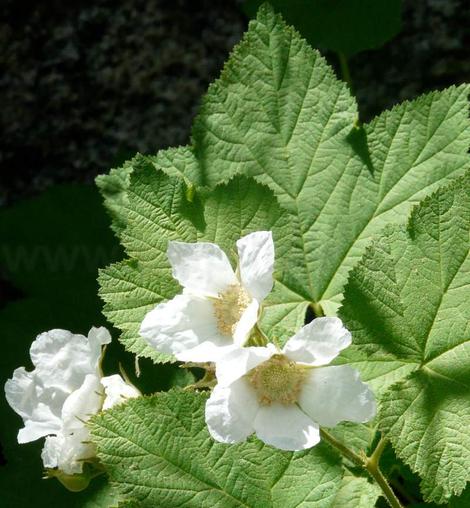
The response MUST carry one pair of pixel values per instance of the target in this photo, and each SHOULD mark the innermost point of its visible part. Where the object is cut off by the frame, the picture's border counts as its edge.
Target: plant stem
(343, 62)
(378, 476)
(344, 450)
(370, 464)
(317, 309)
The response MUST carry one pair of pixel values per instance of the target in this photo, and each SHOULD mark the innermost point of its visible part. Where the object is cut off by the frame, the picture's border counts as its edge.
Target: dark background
(83, 87)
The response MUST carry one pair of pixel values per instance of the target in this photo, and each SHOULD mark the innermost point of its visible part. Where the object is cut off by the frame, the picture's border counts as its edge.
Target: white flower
(62, 392)
(285, 396)
(218, 307)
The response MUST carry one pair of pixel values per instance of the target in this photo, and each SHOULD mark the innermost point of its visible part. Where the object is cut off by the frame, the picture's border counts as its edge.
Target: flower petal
(238, 361)
(202, 268)
(318, 342)
(82, 403)
(51, 451)
(205, 352)
(38, 406)
(97, 338)
(67, 451)
(117, 391)
(230, 412)
(256, 261)
(334, 394)
(63, 359)
(181, 324)
(286, 427)
(247, 322)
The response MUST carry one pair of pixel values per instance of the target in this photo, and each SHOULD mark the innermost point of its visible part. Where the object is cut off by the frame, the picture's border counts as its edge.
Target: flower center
(229, 307)
(277, 380)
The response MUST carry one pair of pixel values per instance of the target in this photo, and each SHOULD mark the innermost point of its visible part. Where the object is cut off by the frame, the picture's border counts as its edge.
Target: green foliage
(279, 114)
(407, 303)
(277, 145)
(346, 26)
(158, 452)
(158, 210)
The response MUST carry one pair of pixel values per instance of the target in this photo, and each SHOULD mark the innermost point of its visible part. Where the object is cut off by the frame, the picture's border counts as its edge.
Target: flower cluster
(282, 395)
(63, 391)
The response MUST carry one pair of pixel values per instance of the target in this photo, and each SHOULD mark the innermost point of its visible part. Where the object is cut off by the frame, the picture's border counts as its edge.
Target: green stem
(388, 493)
(344, 450)
(370, 464)
(343, 62)
(317, 309)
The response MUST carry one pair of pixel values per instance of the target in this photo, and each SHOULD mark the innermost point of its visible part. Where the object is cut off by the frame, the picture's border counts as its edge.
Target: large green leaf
(347, 26)
(158, 452)
(159, 208)
(279, 114)
(407, 303)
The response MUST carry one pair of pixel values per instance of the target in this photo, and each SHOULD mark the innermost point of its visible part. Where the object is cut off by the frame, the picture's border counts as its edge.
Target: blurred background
(85, 85)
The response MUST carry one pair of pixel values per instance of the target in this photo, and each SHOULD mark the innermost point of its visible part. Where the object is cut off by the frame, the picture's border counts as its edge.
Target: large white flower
(285, 396)
(62, 392)
(218, 307)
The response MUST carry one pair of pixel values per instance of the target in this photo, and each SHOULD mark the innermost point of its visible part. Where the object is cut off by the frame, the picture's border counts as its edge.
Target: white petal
(97, 338)
(51, 452)
(256, 261)
(230, 412)
(334, 394)
(247, 322)
(181, 324)
(286, 427)
(63, 359)
(83, 403)
(238, 361)
(117, 391)
(203, 268)
(38, 406)
(67, 451)
(318, 342)
(205, 352)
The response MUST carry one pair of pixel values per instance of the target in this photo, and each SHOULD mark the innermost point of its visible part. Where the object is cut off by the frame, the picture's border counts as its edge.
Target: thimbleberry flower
(218, 307)
(65, 388)
(284, 396)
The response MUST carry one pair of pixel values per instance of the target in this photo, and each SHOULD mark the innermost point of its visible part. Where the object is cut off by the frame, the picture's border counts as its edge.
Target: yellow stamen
(229, 307)
(277, 380)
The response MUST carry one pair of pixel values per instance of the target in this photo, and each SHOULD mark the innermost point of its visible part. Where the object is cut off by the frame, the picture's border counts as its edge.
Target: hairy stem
(370, 464)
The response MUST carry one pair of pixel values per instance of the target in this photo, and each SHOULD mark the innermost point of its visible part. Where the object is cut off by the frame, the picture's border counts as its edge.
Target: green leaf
(158, 210)
(356, 492)
(278, 113)
(346, 26)
(407, 303)
(113, 188)
(158, 452)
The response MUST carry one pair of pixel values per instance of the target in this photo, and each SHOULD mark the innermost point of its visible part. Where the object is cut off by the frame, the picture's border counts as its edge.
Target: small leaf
(146, 444)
